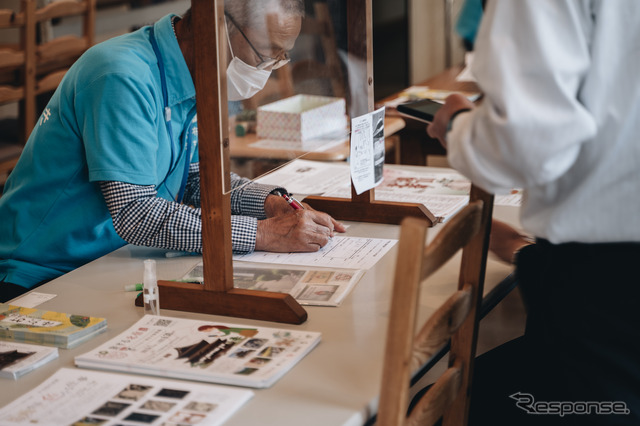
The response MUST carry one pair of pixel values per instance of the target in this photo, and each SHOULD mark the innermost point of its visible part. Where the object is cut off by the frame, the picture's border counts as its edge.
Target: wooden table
(415, 144)
(336, 384)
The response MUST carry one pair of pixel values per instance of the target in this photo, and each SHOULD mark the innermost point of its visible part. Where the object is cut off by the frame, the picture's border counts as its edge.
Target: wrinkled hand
(296, 231)
(438, 128)
(276, 206)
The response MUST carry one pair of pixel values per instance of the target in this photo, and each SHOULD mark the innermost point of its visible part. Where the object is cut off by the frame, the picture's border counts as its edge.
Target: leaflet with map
(208, 351)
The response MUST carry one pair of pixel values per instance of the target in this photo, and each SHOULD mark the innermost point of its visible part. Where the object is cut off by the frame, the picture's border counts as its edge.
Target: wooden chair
(30, 68)
(54, 57)
(17, 62)
(456, 319)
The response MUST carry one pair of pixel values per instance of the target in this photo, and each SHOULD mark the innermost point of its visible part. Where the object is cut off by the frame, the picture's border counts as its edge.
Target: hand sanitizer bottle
(150, 289)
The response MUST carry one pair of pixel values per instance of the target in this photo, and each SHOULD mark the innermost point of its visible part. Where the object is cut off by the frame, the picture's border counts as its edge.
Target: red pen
(295, 204)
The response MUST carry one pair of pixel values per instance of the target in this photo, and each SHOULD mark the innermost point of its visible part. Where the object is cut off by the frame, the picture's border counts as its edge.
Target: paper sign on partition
(367, 150)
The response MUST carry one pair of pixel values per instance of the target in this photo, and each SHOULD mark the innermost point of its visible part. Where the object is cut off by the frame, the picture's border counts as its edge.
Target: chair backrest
(456, 319)
(55, 56)
(32, 67)
(17, 62)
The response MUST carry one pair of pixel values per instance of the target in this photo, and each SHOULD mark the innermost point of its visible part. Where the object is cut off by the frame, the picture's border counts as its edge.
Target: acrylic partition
(293, 81)
(327, 80)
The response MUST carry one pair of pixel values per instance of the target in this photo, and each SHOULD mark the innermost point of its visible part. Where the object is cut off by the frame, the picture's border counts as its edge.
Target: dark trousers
(582, 341)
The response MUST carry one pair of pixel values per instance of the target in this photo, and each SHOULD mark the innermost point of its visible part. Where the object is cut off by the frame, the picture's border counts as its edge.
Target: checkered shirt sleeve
(140, 217)
(192, 189)
(247, 197)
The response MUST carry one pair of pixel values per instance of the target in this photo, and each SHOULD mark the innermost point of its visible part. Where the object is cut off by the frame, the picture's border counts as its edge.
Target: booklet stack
(17, 359)
(200, 350)
(47, 327)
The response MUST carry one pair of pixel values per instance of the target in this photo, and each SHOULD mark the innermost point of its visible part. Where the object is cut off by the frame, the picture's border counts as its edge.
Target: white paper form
(340, 252)
(512, 199)
(367, 150)
(309, 177)
(33, 299)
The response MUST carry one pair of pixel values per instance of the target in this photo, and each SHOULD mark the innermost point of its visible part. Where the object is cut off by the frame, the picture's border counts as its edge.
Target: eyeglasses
(266, 62)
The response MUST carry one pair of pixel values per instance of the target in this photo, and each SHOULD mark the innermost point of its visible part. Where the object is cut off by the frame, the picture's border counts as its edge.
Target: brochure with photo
(309, 286)
(83, 397)
(207, 351)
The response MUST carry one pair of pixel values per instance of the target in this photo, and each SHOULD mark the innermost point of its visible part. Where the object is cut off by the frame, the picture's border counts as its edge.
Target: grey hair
(251, 13)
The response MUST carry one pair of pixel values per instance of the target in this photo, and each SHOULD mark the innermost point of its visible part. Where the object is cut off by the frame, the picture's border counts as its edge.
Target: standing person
(113, 158)
(560, 118)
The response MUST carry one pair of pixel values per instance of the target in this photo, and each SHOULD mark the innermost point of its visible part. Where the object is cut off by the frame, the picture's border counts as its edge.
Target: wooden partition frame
(364, 207)
(217, 295)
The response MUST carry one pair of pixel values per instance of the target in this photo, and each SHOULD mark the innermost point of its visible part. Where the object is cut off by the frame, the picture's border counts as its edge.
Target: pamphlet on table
(443, 192)
(83, 397)
(50, 328)
(309, 286)
(208, 351)
(17, 359)
(309, 177)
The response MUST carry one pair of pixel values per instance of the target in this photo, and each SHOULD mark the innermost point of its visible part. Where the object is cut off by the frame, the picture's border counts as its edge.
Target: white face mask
(243, 80)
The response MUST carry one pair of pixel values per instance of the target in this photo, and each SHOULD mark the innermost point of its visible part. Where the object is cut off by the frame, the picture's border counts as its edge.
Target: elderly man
(113, 158)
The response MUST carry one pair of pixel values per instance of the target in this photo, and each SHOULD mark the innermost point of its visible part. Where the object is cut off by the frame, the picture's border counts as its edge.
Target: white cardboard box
(301, 118)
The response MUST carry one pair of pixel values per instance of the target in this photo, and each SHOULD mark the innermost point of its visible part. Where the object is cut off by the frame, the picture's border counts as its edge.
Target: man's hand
(276, 206)
(453, 104)
(296, 231)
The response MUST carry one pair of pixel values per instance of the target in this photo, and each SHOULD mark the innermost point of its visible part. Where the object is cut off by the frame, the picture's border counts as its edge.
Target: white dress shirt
(560, 116)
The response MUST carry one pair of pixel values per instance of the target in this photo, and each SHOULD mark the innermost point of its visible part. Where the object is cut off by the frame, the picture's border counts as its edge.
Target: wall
(427, 40)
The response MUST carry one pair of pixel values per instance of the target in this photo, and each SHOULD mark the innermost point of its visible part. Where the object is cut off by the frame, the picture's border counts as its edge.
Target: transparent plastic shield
(292, 83)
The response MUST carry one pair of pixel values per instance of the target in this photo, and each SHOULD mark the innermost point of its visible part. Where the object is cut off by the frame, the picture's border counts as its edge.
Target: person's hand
(506, 241)
(337, 226)
(296, 231)
(276, 206)
(438, 128)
